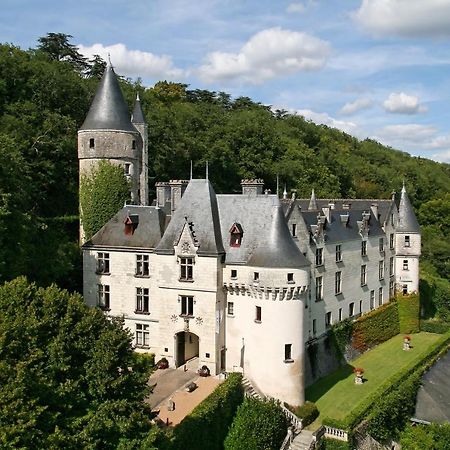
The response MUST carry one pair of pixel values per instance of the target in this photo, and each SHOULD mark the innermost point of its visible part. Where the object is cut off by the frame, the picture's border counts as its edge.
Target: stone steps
(302, 441)
(249, 390)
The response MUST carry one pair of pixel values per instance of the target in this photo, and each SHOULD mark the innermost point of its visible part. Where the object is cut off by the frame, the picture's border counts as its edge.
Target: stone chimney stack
(252, 187)
(162, 193)
(374, 208)
(177, 188)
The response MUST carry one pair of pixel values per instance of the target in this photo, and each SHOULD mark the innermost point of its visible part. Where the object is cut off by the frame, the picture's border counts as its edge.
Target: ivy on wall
(102, 194)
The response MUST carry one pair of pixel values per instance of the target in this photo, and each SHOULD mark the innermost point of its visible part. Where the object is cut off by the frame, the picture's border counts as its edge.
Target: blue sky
(374, 68)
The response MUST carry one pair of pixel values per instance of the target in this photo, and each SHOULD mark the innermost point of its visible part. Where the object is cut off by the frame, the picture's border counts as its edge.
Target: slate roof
(337, 231)
(146, 235)
(433, 397)
(266, 241)
(199, 207)
(138, 114)
(407, 221)
(109, 110)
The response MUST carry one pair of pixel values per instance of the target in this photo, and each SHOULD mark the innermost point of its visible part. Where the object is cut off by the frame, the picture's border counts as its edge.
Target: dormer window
(131, 223)
(91, 143)
(236, 233)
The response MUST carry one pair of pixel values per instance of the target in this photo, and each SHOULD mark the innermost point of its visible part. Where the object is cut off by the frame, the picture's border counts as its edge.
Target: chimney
(162, 193)
(177, 188)
(331, 204)
(327, 212)
(252, 187)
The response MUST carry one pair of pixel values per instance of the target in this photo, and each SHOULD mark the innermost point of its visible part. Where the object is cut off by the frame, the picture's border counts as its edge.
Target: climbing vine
(102, 194)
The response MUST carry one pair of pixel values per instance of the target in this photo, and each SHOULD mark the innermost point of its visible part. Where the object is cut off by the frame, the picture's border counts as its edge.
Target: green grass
(336, 395)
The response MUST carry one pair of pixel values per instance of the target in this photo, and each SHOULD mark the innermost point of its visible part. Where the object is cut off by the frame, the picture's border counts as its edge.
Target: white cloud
(134, 63)
(411, 132)
(405, 17)
(268, 54)
(402, 103)
(357, 105)
(443, 156)
(295, 8)
(326, 119)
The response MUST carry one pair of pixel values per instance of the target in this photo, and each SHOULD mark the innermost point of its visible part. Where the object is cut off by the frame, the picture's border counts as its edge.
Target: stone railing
(336, 433)
(295, 421)
(258, 290)
(287, 440)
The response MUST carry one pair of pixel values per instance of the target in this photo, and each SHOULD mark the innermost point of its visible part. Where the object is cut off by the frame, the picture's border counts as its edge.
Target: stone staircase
(249, 389)
(302, 441)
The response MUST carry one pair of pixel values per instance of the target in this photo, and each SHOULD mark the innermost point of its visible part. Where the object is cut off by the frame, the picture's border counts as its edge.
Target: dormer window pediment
(131, 222)
(236, 233)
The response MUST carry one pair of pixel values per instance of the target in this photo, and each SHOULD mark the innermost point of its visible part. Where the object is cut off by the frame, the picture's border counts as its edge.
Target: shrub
(207, 426)
(434, 326)
(258, 425)
(431, 437)
(308, 412)
(408, 312)
(145, 362)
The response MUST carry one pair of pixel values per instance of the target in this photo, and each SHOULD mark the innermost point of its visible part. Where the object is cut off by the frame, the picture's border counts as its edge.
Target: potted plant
(162, 363)
(204, 371)
(358, 375)
(406, 343)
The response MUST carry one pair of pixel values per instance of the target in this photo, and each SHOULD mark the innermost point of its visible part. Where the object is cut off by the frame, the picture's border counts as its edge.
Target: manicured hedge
(434, 326)
(376, 327)
(308, 412)
(408, 312)
(207, 426)
(333, 444)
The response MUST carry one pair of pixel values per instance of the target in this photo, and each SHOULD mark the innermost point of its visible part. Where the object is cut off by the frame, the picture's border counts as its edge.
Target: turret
(407, 246)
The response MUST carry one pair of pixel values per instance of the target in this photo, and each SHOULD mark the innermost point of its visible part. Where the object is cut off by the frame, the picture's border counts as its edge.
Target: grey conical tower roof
(108, 110)
(312, 202)
(138, 114)
(407, 221)
(279, 249)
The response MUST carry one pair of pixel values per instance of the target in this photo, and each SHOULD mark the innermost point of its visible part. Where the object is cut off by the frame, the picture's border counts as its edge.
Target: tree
(257, 425)
(430, 437)
(65, 380)
(97, 66)
(102, 194)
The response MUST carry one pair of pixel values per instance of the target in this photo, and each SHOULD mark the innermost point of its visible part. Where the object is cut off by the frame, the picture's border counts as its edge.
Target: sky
(373, 68)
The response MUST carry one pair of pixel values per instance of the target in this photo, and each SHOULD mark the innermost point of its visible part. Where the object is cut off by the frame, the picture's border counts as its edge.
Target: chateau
(244, 282)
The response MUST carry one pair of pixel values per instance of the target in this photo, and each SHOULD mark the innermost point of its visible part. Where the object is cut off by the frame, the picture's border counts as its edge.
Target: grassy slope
(336, 395)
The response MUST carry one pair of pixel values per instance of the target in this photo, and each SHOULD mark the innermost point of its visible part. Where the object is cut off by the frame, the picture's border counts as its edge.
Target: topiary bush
(434, 326)
(308, 412)
(258, 425)
(408, 312)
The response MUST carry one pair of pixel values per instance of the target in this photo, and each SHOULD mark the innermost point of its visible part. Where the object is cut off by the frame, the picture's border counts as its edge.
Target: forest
(46, 91)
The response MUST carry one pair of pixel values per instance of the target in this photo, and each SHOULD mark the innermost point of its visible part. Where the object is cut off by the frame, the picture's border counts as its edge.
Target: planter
(204, 371)
(162, 363)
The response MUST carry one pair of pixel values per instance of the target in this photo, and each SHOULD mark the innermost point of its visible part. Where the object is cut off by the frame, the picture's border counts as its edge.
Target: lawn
(336, 395)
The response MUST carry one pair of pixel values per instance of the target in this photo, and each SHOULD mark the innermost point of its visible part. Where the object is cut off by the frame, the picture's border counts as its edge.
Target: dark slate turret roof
(407, 221)
(198, 206)
(147, 233)
(266, 240)
(138, 114)
(109, 110)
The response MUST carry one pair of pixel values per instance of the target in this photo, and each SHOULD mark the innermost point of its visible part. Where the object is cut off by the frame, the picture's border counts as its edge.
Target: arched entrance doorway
(186, 345)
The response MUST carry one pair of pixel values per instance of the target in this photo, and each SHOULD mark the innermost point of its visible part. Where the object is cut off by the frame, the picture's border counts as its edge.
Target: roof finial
(278, 184)
(109, 60)
(191, 171)
(207, 170)
(285, 192)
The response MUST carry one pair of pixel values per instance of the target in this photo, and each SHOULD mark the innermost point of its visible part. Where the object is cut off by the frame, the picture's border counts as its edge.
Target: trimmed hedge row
(434, 326)
(349, 423)
(308, 412)
(333, 444)
(408, 313)
(207, 426)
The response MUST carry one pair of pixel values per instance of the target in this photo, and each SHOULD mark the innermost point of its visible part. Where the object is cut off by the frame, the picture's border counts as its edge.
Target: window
(351, 309)
(255, 277)
(338, 253)
(372, 300)
(319, 256)
(288, 352)
(381, 244)
(103, 263)
(103, 298)
(187, 305)
(230, 308)
(380, 270)
(363, 248)
(338, 282)
(142, 335)
(319, 288)
(236, 233)
(314, 330)
(392, 219)
(258, 314)
(294, 230)
(127, 169)
(133, 144)
(328, 319)
(407, 241)
(91, 143)
(363, 275)
(186, 269)
(233, 273)
(360, 306)
(380, 296)
(340, 314)
(404, 289)
(290, 278)
(405, 264)
(391, 289)
(142, 266)
(142, 301)
(391, 241)
(391, 266)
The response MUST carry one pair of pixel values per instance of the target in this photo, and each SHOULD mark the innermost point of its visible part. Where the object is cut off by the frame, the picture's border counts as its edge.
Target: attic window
(91, 143)
(131, 222)
(236, 233)
(133, 144)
